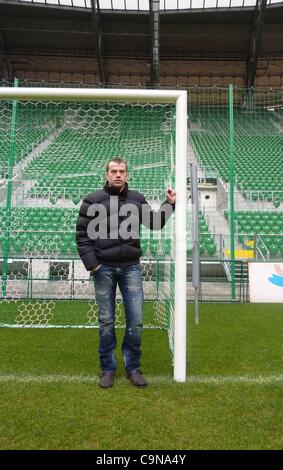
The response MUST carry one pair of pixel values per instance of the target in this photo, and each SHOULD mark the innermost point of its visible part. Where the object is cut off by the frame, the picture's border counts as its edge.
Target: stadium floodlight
(80, 111)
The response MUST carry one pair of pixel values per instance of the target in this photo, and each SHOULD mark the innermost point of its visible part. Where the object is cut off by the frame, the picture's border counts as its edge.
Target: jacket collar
(113, 191)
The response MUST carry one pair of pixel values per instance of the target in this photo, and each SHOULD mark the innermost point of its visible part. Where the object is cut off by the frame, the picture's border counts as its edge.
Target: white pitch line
(88, 379)
(234, 379)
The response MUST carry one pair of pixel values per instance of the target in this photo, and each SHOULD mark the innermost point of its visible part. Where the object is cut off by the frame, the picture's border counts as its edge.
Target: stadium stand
(259, 171)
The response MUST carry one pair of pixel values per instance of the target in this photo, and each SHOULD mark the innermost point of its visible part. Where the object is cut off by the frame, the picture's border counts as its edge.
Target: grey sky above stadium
(144, 4)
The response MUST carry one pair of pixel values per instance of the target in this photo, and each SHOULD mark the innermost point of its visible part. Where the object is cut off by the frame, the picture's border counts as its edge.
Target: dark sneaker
(137, 378)
(107, 379)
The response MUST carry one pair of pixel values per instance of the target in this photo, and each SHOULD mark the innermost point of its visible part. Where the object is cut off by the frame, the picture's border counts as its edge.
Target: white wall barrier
(266, 282)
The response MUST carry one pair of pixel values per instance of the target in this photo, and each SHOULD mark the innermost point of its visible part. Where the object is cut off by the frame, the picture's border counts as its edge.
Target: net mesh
(52, 155)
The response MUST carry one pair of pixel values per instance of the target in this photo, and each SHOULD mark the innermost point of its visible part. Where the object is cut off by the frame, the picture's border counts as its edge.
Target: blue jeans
(129, 280)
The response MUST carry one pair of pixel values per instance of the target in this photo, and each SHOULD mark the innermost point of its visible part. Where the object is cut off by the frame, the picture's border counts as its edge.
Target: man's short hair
(116, 160)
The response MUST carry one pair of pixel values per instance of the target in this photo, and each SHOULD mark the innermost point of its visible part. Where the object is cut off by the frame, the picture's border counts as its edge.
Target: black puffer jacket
(108, 250)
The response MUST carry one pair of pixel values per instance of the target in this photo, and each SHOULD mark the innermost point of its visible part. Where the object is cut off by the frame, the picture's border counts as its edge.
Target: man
(111, 252)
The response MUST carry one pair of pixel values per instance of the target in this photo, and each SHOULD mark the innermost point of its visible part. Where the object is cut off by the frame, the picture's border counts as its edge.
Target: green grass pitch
(50, 399)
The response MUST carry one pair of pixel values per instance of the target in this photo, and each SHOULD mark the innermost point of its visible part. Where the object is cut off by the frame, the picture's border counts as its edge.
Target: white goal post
(179, 99)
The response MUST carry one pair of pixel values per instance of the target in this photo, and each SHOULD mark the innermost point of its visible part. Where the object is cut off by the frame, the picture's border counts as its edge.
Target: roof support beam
(154, 25)
(255, 42)
(6, 68)
(97, 27)
(2, 70)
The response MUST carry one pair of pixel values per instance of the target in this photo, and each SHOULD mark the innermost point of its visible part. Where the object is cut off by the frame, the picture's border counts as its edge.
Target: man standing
(112, 254)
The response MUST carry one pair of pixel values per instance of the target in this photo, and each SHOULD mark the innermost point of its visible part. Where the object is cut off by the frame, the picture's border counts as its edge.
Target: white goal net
(55, 144)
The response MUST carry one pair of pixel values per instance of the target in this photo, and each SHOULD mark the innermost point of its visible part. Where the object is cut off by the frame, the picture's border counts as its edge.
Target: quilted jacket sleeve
(85, 246)
(156, 219)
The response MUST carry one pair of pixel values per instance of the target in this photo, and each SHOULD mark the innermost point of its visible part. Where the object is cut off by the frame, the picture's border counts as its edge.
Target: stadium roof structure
(93, 38)
(143, 5)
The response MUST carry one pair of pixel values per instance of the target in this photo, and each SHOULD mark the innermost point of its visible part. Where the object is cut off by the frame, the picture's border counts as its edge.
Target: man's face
(116, 175)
